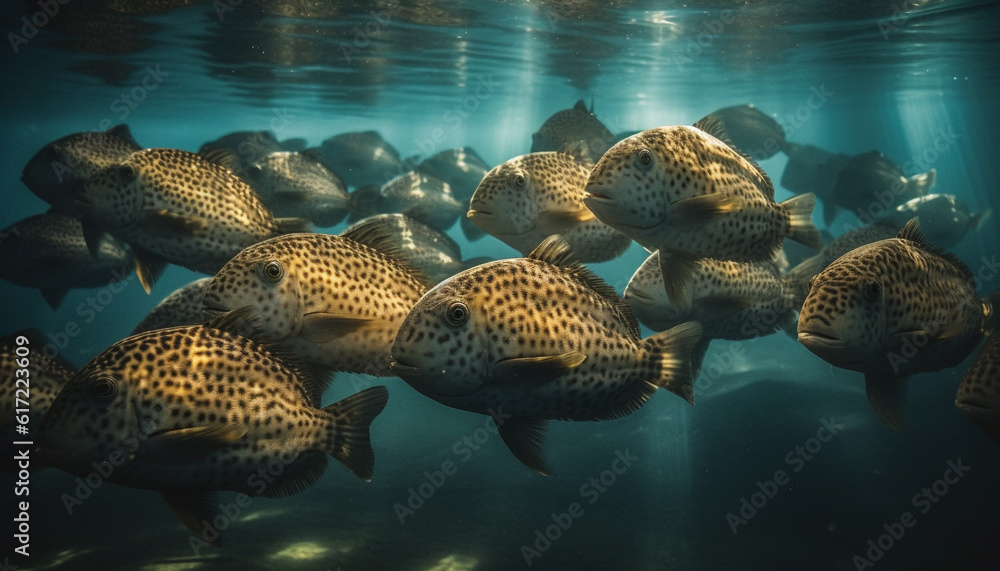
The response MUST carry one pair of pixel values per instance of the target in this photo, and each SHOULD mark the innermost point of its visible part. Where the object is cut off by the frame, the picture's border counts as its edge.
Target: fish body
(246, 148)
(578, 125)
(362, 158)
(686, 193)
(531, 197)
(462, 168)
(190, 410)
(430, 251)
(333, 301)
(420, 196)
(731, 300)
(978, 396)
(299, 185)
(49, 252)
(892, 309)
(58, 170)
(944, 219)
(533, 339)
(175, 206)
(751, 130)
(182, 307)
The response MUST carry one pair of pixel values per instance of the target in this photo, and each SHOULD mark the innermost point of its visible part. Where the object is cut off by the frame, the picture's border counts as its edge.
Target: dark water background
(849, 77)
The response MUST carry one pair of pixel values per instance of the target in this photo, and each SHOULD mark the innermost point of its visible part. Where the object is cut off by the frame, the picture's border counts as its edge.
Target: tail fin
(673, 350)
(980, 217)
(348, 437)
(920, 184)
(795, 284)
(800, 227)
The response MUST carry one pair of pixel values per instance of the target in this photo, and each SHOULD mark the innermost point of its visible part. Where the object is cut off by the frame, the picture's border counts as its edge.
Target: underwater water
(670, 486)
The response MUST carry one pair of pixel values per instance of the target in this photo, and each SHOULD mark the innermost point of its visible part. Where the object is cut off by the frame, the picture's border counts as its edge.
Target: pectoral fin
(525, 437)
(887, 397)
(189, 444)
(699, 210)
(533, 369)
(172, 222)
(193, 509)
(325, 327)
(148, 266)
(558, 221)
(54, 296)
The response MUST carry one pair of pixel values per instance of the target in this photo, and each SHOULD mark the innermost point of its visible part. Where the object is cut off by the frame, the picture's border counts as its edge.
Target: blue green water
(660, 489)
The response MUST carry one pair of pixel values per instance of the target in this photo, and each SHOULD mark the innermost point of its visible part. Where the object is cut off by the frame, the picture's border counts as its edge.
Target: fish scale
(195, 409)
(530, 197)
(541, 338)
(338, 302)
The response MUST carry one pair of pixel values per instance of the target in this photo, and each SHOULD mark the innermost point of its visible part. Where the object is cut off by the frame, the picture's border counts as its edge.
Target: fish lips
(429, 382)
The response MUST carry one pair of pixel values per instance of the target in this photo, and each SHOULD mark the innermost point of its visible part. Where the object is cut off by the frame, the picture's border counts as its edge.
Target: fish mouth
(598, 198)
(405, 371)
(215, 309)
(817, 339)
(478, 214)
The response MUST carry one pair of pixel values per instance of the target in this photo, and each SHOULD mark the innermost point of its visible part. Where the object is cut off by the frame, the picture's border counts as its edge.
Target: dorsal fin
(556, 251)
(911, 232)
(123, 132)
(716, 127)
(579, 151)
(223, 157)
(378, 236)
(581, 105)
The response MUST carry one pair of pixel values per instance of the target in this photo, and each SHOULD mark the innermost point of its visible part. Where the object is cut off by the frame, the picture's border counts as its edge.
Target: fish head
(92, 421)
(635, 181)
(844, 317)
(647, 296)
(266, 277)
(505, 202)
(441, 348)
(978, 396)
(114, 196)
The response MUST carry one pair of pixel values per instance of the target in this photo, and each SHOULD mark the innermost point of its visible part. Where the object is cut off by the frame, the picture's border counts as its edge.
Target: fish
(299, 185)
(978, 396)
(572, 126)
(49, 251)
(751, 130)
(57, 172)
(430, 251)
(812, 169)
(892, 309)
(531, 197)
(333, 301)
(537, 338)
(363, 158)
(462, 168)
(731, 300)
(243, 149)
(174, 206)
(182, 307)
(422, 197)
(799, 276)
(944, 219)
(27, 395)
(188, 411)
(690, 195)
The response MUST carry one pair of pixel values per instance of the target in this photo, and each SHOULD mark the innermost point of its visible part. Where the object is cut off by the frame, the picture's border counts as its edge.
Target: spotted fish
(690, 195)
(573, 126)
(191, 410)
(174, 206)
(420, 196)
(462, 168)
(182, 307)
(531, 197)
(944, 219)
(431, 252)
(362, 158)
(49, 252)
(731, 300)
(43, 377)
(332, 301)
(58, 171)
(892, 309)
(537, 338)
(979, 394)
(299, 185)
(751, 130)
(243, 149)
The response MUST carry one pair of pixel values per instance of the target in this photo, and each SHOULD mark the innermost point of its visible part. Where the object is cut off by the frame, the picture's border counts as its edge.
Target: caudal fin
(920, 184)
(348, 436)
(800, 227)
(672, 350)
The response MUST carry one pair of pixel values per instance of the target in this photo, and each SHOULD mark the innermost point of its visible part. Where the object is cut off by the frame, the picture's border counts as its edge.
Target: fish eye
(104, 388)
(643, 159)
(518, 180)
(126, 172)
(272, 271)
(872, 290)
(457, 314)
